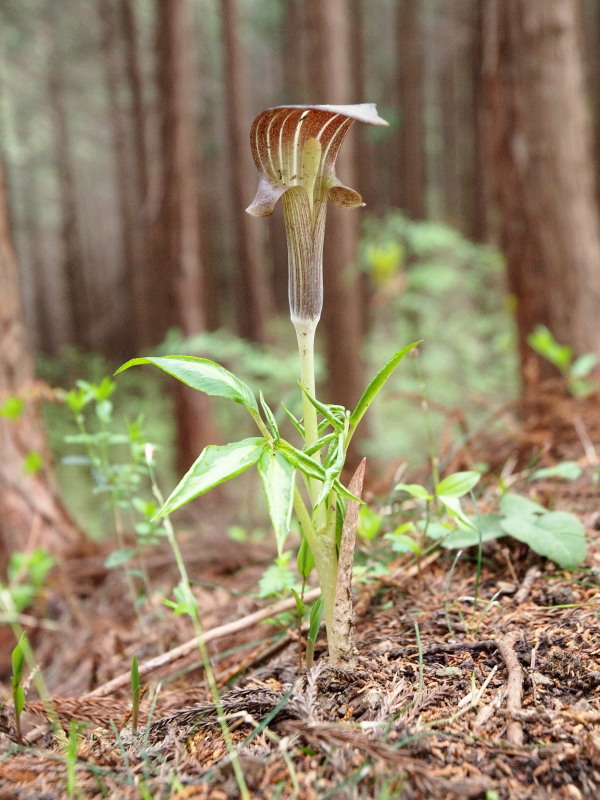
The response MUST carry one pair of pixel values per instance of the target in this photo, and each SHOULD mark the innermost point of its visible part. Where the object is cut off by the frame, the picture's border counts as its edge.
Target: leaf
(270, 417)
(414, 490)
(216, 464)
(513, 505)
(202, 374)
(118, 557)
(373, 388)
(485, 528)
(316, 617)
(325, 411)
(278, 475)
(556, 535)
(301, 461)
(458, 484)
(305, 561)
(583, 365)
(568, 470)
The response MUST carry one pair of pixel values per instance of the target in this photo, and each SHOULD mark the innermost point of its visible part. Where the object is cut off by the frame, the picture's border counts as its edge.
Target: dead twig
(526, 586)
(514, 697)
(171, 656)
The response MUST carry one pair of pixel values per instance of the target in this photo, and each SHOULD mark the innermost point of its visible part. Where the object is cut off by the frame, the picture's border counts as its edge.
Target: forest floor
(450, 697)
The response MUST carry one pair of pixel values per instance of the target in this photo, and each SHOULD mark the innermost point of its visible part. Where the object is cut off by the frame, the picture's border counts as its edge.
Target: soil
(465, 685)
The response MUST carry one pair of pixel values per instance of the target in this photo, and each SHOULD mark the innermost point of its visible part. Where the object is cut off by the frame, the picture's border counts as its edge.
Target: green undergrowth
(430, 283)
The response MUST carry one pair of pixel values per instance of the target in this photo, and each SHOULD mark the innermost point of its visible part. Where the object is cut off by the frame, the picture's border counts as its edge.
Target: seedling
(575, 370)
(294, 149)
(16, 680)
(136, 693)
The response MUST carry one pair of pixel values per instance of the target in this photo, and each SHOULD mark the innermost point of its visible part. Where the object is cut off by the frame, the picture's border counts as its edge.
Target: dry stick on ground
(526, 585)
(514, 730)
(188, 647)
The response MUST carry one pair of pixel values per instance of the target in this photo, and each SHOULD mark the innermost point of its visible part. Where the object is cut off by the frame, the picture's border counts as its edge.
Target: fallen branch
(514, 697)
(526, 586)
(146, 667)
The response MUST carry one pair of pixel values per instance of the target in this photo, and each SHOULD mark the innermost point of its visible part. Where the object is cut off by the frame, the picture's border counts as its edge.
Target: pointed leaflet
(277, 475)
(373, 388)
(201, 374)
(215, 465)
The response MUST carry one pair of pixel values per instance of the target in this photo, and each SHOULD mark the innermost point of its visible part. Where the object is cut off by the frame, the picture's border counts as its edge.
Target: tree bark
(73, 261)
(177, 269)
(31, 514)
(123, 184)
(140, 295)
(253, 292)
(544, 174)
(411, 101)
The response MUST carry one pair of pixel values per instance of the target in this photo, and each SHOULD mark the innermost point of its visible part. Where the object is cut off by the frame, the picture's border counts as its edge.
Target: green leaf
(17, 658)
(301, 461)
(369, 523)
(453, 507)
(568, 470)
(202, 374)
(414, 490)
(513, 505)
(458, 484)
(325, 411)
(216, 464)
(485, 528)
(583, 365)
(33, 462)
(12, 408)
(278, 475)
(316, 616)
(118, 557)
(300, 604)
(373, 388)
(270, 417)
(556, 535)
(305, 561)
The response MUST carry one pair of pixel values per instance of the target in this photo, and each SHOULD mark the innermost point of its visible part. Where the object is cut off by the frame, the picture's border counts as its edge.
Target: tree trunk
(73, 261)
(342, 328)
(31, 515)
(544, 174)
(141, 297)
(177, 287)
(411, 101)
(123, 183)
(253, 292)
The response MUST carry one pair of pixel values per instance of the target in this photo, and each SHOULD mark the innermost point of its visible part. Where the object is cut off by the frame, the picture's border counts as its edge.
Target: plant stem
(305, 332)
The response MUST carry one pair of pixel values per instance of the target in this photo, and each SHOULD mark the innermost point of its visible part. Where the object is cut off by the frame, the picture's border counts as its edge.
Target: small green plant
(136, 693)
(26, 573)
(576, 371)
(557, 535)
(117, 462)
(18, 659)
(294, 149)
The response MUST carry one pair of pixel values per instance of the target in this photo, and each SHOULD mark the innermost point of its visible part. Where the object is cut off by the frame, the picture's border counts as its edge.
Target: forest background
(127, 169)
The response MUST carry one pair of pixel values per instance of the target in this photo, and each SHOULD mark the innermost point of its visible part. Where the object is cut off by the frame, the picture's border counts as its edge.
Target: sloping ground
(482, 687)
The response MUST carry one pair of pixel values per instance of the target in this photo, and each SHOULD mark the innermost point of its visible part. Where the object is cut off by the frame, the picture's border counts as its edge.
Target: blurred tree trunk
(126, 336)
(482, 65)
(177, 270)
(253, 287)
(73, 263)
(410, 190)
(31, 515)
(342, 317)
(141, 298)
(544, 174)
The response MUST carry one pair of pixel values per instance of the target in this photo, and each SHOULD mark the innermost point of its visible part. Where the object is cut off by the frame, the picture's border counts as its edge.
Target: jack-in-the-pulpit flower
(294, 149)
